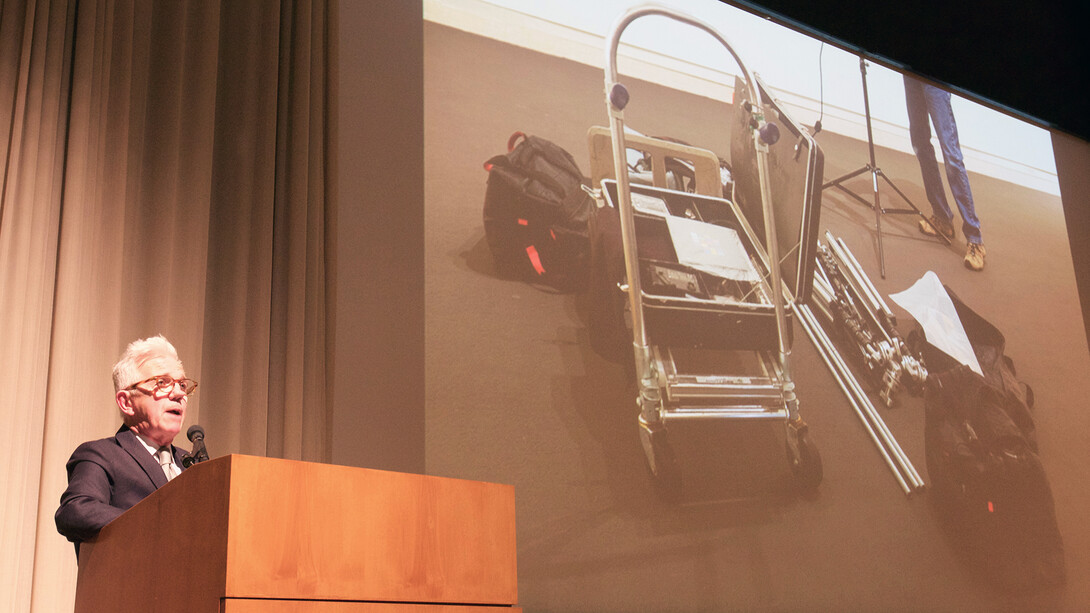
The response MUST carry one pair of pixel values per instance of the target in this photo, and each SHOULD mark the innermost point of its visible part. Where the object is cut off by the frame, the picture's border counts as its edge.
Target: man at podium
(110, 475)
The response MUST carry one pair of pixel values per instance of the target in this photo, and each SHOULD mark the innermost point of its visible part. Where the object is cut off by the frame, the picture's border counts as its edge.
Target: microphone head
(195, 432)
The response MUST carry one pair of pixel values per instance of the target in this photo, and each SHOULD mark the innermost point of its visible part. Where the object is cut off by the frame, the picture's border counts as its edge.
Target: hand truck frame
(665, 392)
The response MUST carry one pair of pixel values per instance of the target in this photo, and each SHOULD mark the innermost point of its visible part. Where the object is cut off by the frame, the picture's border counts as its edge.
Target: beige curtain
(166, 168)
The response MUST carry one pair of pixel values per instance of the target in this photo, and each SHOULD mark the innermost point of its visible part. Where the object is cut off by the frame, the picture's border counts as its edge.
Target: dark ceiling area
(1030, 57)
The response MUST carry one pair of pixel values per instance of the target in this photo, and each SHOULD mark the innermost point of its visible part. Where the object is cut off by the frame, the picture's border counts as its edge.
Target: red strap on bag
(535, 260)
(511, 142)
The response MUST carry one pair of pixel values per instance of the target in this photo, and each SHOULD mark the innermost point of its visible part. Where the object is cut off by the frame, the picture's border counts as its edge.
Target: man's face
(153, 413)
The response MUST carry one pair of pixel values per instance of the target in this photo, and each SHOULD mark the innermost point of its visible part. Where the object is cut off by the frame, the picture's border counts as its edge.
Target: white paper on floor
(928, 302)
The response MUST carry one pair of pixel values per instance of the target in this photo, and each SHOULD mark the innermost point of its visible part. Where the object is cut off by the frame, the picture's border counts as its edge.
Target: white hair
(139, 352)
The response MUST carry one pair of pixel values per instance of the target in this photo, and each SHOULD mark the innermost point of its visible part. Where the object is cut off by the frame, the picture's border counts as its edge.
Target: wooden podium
(243, 534)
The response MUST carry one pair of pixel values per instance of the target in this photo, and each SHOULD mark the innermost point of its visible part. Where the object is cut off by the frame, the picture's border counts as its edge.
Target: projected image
(752, 321)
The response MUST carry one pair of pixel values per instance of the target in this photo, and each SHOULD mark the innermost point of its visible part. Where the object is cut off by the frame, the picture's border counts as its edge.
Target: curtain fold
(165, 170)
(298, 412)
(36, 46)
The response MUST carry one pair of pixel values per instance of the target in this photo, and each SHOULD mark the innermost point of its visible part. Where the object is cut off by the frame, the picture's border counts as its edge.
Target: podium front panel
(317, 531)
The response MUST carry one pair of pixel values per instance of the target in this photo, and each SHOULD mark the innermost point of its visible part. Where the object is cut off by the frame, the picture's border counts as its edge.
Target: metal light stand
(875, 173)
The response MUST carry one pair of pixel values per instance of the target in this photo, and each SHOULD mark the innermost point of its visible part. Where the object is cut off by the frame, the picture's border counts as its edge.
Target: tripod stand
(875, 173)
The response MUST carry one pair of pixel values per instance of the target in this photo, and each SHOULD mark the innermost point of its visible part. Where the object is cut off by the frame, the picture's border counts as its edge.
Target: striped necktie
(166, 462)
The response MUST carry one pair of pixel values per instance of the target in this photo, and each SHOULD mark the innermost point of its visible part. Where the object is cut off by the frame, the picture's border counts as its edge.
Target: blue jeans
(925, 101)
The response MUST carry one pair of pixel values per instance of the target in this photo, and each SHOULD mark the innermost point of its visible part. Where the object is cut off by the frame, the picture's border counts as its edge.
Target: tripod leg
(835, 183)
(914, 210)
(851, 175)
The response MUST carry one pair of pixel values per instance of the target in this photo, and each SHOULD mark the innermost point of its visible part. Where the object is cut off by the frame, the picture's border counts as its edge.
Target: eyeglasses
(164, 384)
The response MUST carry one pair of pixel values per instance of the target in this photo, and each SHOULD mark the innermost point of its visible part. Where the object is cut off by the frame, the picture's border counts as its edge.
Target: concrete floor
(516, 395)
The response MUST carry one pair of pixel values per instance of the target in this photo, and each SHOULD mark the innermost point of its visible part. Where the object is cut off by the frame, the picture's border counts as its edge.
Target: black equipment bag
(536, 213)
(988, 484)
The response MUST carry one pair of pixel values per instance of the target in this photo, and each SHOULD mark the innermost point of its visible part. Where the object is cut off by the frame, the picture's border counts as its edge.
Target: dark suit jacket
(105, 478)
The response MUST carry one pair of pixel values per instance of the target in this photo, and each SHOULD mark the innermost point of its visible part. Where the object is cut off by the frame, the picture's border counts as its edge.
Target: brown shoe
(933, 225)
(974, 256)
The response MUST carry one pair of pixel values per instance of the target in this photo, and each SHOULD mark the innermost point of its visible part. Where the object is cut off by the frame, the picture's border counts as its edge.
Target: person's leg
(942, 115)
(919, 129)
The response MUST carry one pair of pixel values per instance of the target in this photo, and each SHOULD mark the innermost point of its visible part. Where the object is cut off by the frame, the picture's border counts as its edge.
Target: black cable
(821, 89)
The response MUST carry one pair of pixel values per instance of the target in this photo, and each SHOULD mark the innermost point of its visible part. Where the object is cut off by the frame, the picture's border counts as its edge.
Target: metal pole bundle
(850, 301)
(891, 451)
(885, 352)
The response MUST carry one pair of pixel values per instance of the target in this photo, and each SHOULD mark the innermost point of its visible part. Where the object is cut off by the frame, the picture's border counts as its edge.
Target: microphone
(200, 454)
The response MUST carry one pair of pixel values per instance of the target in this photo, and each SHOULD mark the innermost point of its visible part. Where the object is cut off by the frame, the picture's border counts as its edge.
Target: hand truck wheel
(661, 462)
(805, 461)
